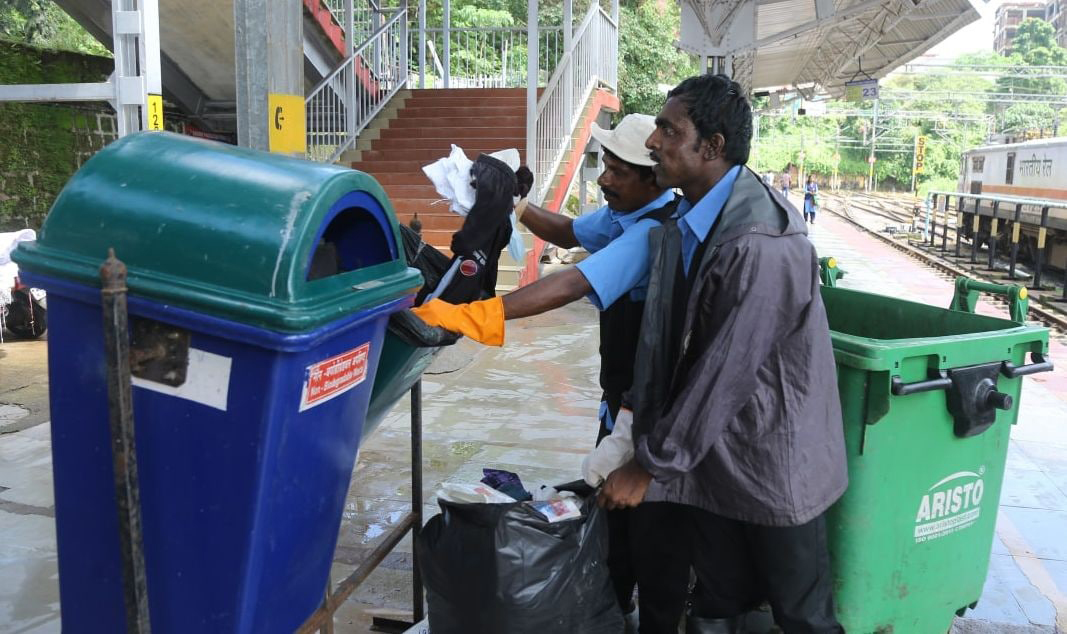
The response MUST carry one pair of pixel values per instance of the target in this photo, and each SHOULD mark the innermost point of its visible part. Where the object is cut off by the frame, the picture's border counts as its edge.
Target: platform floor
(529, 407)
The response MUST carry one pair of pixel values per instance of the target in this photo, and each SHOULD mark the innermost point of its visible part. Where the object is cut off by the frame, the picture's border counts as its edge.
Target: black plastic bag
(504, 569)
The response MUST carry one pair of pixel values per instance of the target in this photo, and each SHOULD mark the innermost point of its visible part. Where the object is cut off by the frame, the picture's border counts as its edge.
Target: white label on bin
(207, 380)
(334, 376)
(950, 505)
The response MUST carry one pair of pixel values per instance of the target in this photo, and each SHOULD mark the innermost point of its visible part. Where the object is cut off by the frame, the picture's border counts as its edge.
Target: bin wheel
(963, 610)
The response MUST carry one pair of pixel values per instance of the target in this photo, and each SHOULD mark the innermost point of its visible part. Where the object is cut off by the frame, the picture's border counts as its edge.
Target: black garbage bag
(504, 569)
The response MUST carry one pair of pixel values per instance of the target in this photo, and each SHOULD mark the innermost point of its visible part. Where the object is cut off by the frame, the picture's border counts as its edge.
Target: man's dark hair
(644, 172)
(716, 104)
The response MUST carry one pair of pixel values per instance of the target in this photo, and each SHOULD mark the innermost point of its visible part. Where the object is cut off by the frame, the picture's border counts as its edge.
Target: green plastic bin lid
(227, 231)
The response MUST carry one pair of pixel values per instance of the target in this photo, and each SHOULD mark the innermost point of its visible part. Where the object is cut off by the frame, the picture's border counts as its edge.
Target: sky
(977, 36)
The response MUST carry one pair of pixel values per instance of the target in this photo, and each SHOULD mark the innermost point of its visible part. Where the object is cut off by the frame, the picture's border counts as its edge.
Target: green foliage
(648, 58)
(40, 144)
(43, 24)
(1035, 45)
(1024, 117)
(940, 102)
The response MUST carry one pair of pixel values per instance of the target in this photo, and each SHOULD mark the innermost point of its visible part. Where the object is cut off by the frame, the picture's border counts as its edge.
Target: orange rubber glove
(482, 321)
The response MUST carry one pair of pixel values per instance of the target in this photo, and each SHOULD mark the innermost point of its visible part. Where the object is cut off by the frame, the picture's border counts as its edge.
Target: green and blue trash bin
(280, 275)
(928, 398)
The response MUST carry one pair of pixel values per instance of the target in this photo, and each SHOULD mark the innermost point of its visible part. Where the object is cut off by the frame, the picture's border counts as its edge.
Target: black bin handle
(1040, 364)
(900, 388)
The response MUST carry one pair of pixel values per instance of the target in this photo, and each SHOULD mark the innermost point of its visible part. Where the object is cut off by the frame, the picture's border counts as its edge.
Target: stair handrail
(337, 109)
(567, 92)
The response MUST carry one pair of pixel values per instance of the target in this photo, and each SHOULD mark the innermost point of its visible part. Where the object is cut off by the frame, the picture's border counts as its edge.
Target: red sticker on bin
(334, 376)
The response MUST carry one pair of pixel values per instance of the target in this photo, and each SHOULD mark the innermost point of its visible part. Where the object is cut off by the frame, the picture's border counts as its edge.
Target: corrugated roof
(788, 45)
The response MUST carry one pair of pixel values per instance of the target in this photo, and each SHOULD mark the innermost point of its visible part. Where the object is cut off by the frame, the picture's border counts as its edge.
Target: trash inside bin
(928, 398)
(267, 282)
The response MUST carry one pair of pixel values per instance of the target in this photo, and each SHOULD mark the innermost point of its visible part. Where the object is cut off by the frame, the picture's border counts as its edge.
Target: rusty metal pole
(123, 445)
(416, 499)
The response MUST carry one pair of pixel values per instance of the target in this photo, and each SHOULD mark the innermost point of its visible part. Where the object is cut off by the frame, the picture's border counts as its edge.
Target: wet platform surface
(530, 408)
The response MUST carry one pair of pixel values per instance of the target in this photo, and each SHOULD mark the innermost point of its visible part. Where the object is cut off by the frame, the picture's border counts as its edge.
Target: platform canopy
(816, 45)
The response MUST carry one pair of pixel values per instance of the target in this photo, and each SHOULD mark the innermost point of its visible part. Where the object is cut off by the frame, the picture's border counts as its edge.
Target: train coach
(1035, 170)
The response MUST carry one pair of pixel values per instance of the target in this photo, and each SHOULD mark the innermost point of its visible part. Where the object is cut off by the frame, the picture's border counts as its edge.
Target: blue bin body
(240, 506)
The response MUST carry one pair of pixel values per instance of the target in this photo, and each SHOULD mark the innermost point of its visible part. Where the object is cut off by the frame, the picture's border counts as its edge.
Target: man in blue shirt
(614, 278)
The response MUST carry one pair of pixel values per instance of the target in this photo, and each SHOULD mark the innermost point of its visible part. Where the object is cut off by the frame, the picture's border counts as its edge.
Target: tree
(44, 24)
(648, 59)
(1022, 118)
(1035, 45)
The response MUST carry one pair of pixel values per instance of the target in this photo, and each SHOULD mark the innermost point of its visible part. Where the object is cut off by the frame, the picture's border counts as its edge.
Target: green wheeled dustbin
(928, 398)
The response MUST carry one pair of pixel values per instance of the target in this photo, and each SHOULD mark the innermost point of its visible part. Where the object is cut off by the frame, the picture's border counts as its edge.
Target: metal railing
(345, 101)
(591, 60)
(483, 57)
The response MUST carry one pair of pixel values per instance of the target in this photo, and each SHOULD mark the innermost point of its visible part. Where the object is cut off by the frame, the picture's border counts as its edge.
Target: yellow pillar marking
(1015, 226)
(155, 112)
(1041, 237)
(287, 123)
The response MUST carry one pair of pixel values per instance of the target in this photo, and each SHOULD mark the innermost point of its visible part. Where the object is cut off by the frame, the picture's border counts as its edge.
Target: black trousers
(620, 559)
(737, 565)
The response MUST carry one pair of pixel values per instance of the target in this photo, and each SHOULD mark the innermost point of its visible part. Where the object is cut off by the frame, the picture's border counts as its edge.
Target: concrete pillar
(269, 46)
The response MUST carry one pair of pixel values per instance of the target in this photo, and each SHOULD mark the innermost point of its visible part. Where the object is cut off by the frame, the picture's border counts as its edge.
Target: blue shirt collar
(627, 218)
(699, 218)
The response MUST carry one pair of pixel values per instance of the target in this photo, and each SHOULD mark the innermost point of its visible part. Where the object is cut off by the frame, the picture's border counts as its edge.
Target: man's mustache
(653, 156)
(607, 191)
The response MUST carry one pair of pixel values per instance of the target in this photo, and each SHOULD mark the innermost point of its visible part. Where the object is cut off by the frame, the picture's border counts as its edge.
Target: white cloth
(8, 269)
(613, 452)
(451, 177)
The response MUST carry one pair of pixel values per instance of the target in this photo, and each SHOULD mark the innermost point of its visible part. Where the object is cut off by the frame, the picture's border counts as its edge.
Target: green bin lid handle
(965, 297)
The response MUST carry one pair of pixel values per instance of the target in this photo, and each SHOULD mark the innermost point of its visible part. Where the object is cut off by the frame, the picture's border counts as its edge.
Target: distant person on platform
(787, 181)
(811, 201)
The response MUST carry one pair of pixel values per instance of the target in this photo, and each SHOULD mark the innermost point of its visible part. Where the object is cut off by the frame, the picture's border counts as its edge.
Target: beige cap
(627, 140)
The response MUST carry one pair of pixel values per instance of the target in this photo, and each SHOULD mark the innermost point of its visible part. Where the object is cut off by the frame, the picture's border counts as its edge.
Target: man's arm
(555, 228)
(604, 276)
(548, 293)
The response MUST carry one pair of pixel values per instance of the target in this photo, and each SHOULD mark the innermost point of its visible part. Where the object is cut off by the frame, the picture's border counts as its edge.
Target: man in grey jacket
(737, 422)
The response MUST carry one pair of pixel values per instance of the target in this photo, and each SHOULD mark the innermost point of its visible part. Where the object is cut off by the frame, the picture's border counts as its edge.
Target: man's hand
(482, 321)
(625, 487)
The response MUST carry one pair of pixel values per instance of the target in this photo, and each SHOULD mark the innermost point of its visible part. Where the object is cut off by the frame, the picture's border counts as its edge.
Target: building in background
(1010, 14)
(1056, 14)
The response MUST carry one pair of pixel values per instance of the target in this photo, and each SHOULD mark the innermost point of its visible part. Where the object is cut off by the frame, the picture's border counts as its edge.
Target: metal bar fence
(590, 62)
(364, 82)
(485, 57)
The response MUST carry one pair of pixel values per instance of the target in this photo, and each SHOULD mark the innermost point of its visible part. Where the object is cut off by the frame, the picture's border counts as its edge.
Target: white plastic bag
(612, 452)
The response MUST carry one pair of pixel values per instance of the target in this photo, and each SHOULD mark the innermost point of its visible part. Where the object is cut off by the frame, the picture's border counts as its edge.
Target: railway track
(864, 211)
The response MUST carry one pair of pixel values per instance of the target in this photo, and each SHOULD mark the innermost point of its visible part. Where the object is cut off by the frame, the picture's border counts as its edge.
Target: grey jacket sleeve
(756, 297)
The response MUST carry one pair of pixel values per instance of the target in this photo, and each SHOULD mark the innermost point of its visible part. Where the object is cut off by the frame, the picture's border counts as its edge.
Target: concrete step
(431, 101)
(421, 93)
(455, 133)
(425, 156)
(458, 121)
(443, 146)
(488, 109)
(433, 222)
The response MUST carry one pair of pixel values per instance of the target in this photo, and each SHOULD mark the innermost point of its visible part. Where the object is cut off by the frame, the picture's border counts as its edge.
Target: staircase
(419, 127)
